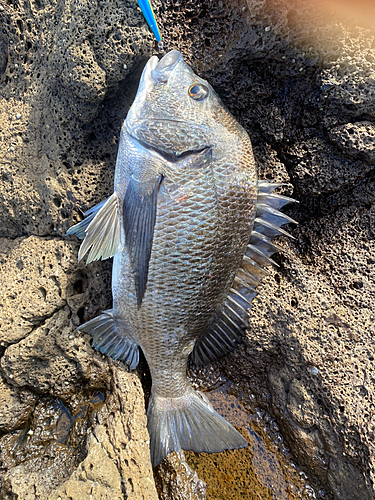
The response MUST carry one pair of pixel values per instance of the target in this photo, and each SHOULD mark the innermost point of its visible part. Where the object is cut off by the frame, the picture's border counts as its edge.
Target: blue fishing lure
(145, 6)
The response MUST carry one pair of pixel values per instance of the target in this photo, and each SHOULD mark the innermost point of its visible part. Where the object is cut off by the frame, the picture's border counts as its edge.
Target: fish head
(174, 111)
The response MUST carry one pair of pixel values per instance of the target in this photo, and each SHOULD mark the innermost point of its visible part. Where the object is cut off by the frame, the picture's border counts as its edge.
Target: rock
(175, 479)
(117, 464)
(119, 428)
(3, 55)
(38, 475)
(320, 169)
(300, 80)
(115, 459)
(73, 57)
(53, 359)
(96, 478)
(356, 139)
(15, 406)
(312, 314)
(33, 280)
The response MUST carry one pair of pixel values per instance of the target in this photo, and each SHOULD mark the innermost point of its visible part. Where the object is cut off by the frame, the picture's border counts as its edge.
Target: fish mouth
(164, 67)
(156, 71)
(159, 71)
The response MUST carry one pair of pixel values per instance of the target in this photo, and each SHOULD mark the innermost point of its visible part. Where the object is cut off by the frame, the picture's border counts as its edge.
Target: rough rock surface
(300, 79)
(15, 406)
(95, 478)
(95, 452)
(117, 464)
(175, 479)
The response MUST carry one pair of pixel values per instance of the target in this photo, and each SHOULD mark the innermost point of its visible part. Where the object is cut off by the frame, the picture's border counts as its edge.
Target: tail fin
(188, 423)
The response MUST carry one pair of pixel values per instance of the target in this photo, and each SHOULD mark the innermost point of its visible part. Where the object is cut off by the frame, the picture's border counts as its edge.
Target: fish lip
(150, 66)
(150, 77)
(162, 71)
(172, 157)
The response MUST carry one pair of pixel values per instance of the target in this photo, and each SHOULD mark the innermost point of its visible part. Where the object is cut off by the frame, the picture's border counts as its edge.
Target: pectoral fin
(100, 230)
(80, 229)
(140, 205)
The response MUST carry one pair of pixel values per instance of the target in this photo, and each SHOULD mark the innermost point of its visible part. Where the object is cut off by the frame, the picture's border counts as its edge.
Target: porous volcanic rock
(300, 79)
(117, 464)
(15, 406)
(175, 479)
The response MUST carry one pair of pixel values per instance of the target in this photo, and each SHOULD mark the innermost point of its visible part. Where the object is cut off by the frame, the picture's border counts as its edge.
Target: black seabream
(190, 228)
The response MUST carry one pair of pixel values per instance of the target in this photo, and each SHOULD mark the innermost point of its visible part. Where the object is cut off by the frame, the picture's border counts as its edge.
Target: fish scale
(190, 228)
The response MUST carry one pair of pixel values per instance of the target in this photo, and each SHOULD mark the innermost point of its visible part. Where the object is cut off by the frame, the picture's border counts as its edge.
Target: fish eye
(198, 92)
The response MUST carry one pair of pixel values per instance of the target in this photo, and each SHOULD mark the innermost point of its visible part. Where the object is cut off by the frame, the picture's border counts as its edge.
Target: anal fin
(227, 331)
(110, 336)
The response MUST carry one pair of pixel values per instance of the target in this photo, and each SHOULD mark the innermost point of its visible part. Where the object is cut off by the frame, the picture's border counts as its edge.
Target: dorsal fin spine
(265, 187)
(229, 308)
(235, 292)
(228, 340)
(233, 301)
(263, 207)
(272, 226)
(263, 255)
(228, 318)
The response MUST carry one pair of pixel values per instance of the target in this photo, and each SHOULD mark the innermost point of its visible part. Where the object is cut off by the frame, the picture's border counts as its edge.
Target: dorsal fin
(226, 332)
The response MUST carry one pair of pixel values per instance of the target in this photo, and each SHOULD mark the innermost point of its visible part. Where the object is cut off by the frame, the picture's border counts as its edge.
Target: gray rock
(356, 139)
(318, 168)
(3, 54)
(73, 58)
(37, 475)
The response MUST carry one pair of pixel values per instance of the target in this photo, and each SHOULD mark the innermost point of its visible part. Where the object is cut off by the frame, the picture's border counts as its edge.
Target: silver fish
(190, 228)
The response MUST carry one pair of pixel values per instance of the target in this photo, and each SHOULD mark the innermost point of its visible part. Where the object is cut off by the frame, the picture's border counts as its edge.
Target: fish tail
(188, 423)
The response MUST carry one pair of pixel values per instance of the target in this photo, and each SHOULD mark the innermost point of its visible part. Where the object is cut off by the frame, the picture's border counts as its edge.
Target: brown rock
(119, 428)
(53, 358)
(300, 80)
(110, 460)
(15, 406)
(96, 478)
(33, 280)
(175, 479)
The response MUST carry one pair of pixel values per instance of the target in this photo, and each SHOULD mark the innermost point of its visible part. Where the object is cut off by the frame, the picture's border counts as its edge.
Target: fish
(190, 229)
